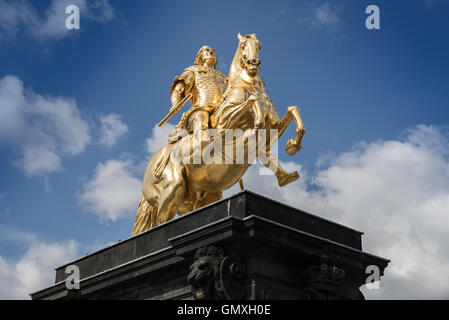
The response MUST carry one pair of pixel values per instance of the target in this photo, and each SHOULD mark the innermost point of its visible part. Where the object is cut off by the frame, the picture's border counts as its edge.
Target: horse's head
(248, 51)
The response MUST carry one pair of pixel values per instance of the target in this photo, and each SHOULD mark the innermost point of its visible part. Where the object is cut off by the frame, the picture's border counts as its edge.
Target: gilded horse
(185, 185)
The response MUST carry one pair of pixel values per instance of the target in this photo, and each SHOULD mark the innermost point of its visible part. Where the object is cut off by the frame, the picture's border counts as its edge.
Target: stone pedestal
(243, 247)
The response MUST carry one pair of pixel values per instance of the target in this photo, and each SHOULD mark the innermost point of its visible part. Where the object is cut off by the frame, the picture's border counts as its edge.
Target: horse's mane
(235, 71)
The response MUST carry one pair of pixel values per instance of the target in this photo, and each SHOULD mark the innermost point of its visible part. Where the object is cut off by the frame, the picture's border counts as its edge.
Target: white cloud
(113, 192)
(17, 16)
(397, 192)
(34, 270)
(112, 128)
(42, 128)
(159, 137)
(13, 15)
(115, 188)
(325, 17)
(100, 10)
(431, 3)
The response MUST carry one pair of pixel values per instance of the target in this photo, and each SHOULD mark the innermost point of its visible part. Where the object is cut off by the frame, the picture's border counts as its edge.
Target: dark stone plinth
(243, 247)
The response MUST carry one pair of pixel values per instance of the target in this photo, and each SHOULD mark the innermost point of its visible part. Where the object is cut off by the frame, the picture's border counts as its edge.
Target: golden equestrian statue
(184, 174)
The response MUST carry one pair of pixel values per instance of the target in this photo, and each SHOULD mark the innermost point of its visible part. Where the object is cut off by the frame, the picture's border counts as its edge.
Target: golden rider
(207, 86)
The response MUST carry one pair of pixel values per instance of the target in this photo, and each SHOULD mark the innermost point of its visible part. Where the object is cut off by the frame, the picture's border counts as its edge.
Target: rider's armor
(208, 89)
(207, 86)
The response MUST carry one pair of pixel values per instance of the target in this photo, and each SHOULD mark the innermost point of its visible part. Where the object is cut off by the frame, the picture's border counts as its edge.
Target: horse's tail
(145, 218)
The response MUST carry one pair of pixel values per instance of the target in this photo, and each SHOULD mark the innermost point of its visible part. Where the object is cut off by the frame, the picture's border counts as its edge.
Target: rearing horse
(185, 185)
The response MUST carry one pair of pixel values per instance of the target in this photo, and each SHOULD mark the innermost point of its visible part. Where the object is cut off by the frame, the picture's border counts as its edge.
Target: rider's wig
(199, 60)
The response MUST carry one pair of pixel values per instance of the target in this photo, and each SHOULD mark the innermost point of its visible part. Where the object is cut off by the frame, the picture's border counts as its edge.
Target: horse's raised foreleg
(293, 145)
(259, 118)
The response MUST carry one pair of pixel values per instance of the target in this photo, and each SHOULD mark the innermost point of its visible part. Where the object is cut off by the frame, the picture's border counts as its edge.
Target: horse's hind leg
(272, 163)
(172, 195)
(209, 197)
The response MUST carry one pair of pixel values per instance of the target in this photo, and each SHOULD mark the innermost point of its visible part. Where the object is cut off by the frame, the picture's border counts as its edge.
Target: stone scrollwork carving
(216, 276)
(322, 281)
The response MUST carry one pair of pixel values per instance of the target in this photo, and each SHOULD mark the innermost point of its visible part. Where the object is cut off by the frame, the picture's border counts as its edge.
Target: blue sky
(358, 90)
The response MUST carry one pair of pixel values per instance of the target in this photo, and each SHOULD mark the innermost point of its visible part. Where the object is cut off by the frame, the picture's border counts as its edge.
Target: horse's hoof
(287, 178)
(292, 147)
